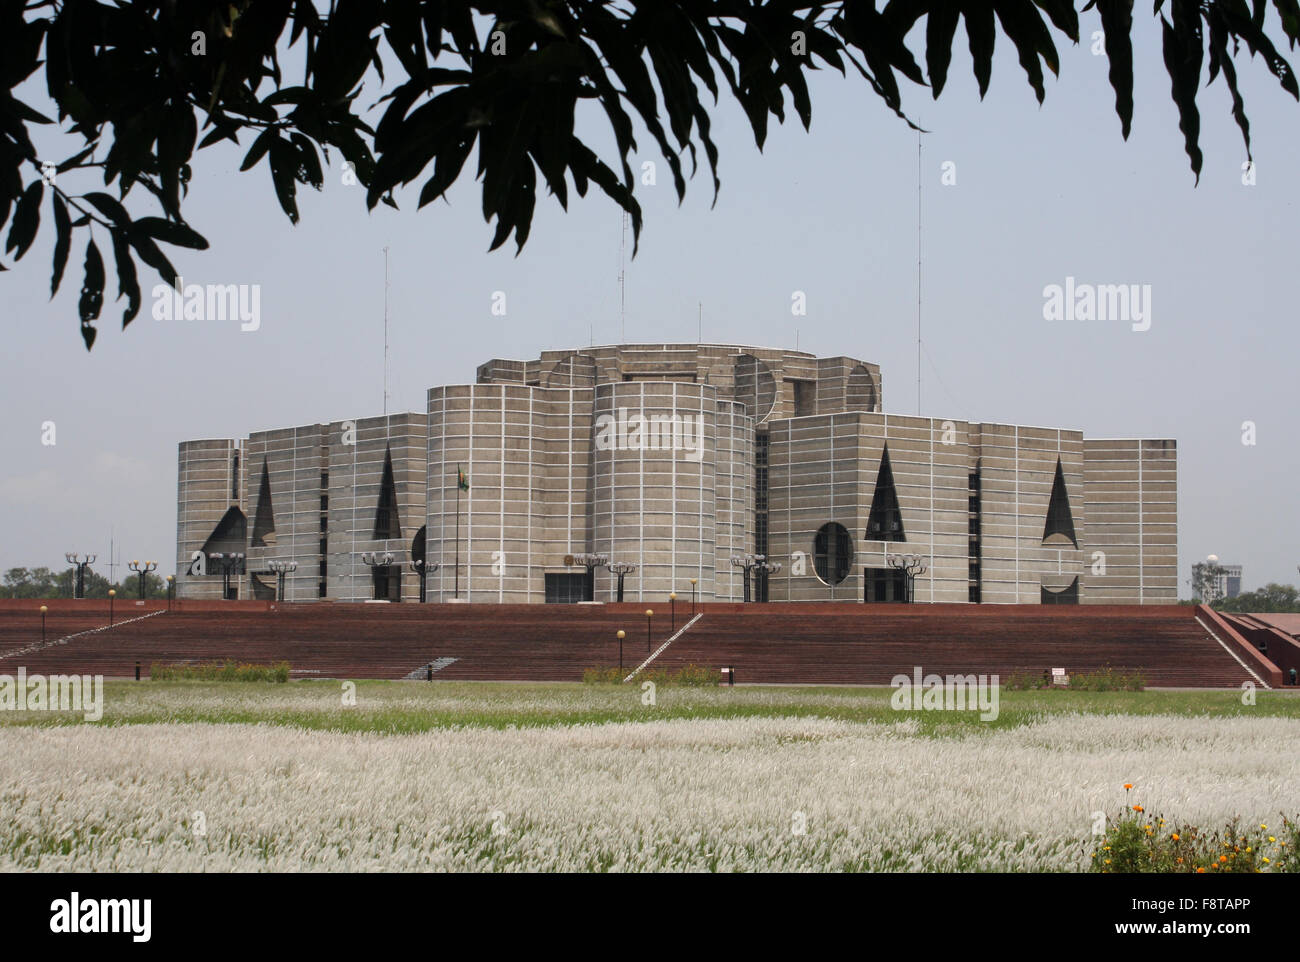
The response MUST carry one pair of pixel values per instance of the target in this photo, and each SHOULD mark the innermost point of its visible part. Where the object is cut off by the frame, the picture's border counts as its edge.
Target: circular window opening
(755, 387)
(832, 553)
(576, 370)
(861, 390)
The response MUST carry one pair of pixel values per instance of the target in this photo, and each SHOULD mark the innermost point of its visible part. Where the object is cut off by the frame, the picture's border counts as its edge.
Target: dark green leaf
(172, 233)
(1183, 62)
(127, 283)
(446, 169)
(92, 287)
(76, 159)
(982, 33)
(284, 167)
(940, 27)
(109, 207)
(150, 254)
(1117, 25)
(28, 114)
(27, 217)
(1289, 12)
(62, 242)
(260, 146)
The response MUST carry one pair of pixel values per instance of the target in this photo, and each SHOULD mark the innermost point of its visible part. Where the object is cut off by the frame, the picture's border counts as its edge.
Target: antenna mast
(622, 283)
(918, 272)
(385, 332)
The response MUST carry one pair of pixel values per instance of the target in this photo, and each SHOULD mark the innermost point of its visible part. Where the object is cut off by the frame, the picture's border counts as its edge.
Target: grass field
(407, 707)
(189, 776)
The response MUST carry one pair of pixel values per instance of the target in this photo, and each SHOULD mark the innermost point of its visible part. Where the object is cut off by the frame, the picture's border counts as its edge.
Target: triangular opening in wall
(229, 536)
(387, 524)
(264, 518)
(885, 523)
(1059, 519)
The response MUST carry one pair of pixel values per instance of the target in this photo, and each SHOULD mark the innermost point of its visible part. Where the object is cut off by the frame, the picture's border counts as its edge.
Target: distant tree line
(1271, 597)
(1207, 582)
(47, 583)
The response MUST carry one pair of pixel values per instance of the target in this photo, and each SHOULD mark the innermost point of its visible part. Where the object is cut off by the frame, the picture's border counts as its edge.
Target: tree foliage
(1206, 578)
(44, 583)
(1272, 597)
(141, 86)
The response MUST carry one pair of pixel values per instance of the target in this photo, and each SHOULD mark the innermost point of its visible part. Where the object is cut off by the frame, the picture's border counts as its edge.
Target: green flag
(462, 479)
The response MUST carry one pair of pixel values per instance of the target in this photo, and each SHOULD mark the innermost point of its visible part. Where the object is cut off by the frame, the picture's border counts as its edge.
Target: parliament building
(741, 473)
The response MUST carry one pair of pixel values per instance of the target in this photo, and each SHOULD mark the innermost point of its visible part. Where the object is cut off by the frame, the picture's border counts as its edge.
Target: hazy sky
(1041, 194)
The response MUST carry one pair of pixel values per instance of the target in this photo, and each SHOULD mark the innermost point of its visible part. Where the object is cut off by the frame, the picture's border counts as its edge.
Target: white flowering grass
(679, 794)
(404, 707)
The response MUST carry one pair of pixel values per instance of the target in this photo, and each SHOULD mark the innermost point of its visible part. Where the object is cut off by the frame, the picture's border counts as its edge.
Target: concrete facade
(677, 458)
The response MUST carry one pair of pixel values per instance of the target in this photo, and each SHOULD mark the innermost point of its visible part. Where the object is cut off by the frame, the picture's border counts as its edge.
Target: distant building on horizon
(1225, 583)
(681, 459)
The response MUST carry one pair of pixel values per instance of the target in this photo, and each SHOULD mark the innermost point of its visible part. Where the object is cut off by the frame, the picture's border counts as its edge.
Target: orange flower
(1223, 858)
(1200, 871)
(1175, 838)
(1137, 808)
(1127, 786)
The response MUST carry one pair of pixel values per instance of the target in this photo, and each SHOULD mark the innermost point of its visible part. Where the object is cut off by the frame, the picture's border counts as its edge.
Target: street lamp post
(142, 569)
(694, 581)
(422, 569)
(591, 562)
(744, 562)
(375, 560)
(81, 563)
(622, 569)
(766, 568)
(649, 614)
(171, 590)
(754, 562)
(281, 568)
(672, 612)
(229, 564)
(621, 635)
(43, 610)
(112, 593)
(911, 565)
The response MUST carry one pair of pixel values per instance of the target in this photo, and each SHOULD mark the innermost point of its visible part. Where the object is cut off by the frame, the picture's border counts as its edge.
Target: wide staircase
(765, 643)
(344, 641)
(20, 622)
(871, 644)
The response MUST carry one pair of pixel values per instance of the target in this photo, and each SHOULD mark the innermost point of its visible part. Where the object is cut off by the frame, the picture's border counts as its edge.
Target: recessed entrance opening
(566, 588)
(884, 584)
(387, 581)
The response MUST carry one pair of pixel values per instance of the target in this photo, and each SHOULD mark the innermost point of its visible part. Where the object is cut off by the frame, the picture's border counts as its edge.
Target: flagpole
(457, 589)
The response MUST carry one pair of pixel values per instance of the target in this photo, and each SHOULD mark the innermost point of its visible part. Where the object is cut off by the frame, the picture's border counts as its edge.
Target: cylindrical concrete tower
(654, 497)
(734, 486)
